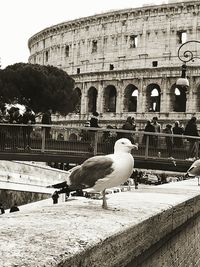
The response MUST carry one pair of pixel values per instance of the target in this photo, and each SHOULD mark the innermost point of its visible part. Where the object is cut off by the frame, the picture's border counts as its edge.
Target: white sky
(20, 19)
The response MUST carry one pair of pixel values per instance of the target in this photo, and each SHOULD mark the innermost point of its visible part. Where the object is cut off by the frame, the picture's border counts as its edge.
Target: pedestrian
(46, 119)
(84, 134)
(151, 129)
(2, 210)
(94, 122)
(133, 123)
(14, 208)
(55, 197)
(130, 126)
(27, 118)
(157, 129)
(135, 176)
(177, 129)
(191, 130)
(15, 118)
(169, 139)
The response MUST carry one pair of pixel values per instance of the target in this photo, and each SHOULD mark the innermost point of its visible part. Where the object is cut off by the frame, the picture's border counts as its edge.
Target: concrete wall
(9, 197)
(26, 182)
(180, 248)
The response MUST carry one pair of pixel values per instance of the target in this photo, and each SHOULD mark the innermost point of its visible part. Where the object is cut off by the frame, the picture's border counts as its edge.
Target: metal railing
(61, 139)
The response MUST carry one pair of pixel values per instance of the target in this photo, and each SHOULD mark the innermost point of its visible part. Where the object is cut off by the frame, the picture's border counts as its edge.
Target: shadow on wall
(9, 197)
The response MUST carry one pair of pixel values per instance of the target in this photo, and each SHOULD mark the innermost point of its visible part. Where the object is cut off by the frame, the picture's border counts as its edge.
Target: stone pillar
(141, 105)
(191, 104)
(84, 99)
(165, 96)
(100, 98)
(120, 98)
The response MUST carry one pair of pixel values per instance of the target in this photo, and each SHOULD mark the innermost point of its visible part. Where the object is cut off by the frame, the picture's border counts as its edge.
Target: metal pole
(95, 142)
(43, 140)
(147, 148)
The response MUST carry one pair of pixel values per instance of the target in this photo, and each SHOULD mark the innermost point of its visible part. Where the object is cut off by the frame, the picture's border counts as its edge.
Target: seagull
(194, 170)
(102, 172)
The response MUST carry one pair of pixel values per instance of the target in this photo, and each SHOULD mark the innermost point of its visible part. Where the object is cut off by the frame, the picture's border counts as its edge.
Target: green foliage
(39, 87)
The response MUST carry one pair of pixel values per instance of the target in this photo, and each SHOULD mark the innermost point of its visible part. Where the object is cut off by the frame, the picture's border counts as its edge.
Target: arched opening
(92, 99)
(110, 98)
(78, 106)
(179, 99)
(153, 98)
(66, 51)
(60, 137)
(130, 98)
(73, 137)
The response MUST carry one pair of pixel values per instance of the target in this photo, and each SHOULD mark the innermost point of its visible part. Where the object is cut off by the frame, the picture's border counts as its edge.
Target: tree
(39, 87)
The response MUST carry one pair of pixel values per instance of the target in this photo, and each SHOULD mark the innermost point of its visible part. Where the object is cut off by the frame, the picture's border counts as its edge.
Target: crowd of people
(12, 114)
(172, 139)
(172, 131)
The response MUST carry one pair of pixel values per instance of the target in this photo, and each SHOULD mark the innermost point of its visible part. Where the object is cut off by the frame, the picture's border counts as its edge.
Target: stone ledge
(80, 233)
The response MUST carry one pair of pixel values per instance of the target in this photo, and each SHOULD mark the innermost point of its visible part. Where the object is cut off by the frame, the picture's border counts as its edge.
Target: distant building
(125, 62)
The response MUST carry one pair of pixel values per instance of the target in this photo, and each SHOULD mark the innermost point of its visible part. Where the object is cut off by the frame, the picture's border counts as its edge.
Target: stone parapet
(137, 225)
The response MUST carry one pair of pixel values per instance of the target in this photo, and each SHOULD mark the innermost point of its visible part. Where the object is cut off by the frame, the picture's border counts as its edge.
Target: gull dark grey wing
(90, 171)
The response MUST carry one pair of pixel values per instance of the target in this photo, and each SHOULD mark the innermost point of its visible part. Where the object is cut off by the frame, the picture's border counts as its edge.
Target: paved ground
(42, 234)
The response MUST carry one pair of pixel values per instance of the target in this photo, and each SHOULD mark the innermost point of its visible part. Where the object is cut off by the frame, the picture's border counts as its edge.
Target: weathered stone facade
(125, 62)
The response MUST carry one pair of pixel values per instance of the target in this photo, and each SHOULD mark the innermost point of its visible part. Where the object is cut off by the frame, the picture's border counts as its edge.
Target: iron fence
(93, 141)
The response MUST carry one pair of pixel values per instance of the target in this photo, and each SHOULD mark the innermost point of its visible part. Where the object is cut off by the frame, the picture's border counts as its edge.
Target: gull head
(124, 145)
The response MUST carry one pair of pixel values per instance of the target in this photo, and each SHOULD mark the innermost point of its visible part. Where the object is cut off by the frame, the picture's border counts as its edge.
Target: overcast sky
(20, 19)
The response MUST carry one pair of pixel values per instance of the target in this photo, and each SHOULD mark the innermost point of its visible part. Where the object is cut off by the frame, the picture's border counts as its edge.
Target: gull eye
(123, 143)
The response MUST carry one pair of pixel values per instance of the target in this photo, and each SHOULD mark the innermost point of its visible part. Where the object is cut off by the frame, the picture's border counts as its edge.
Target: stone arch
(178, 98)
(60, 137)
(78, 106)
(153, 95)
(73, 137)
(110, 98)
(92, 99)
(130, 98)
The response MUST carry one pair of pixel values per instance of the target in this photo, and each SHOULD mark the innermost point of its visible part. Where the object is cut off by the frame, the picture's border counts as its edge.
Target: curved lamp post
(185, 56)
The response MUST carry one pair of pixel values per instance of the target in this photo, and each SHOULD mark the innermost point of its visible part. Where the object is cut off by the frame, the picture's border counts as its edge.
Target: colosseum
(125, 62)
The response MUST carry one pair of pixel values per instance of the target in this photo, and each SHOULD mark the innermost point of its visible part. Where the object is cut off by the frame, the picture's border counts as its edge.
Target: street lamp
(185, 56)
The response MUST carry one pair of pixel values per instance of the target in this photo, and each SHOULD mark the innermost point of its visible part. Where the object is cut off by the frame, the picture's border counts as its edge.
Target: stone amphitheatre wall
(124, 39)
(125, 62)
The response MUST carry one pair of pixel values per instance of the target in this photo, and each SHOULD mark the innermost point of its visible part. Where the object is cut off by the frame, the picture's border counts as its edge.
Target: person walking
(46, 119)
(130, 126)
(15, 118)
(169, 139)
(157, 130)
(191, 130)
(94, 122)
(177, 129)
(27, 118)
(148, 128)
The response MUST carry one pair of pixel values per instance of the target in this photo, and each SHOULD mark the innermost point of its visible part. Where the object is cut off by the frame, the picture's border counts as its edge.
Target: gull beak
(135, 146)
